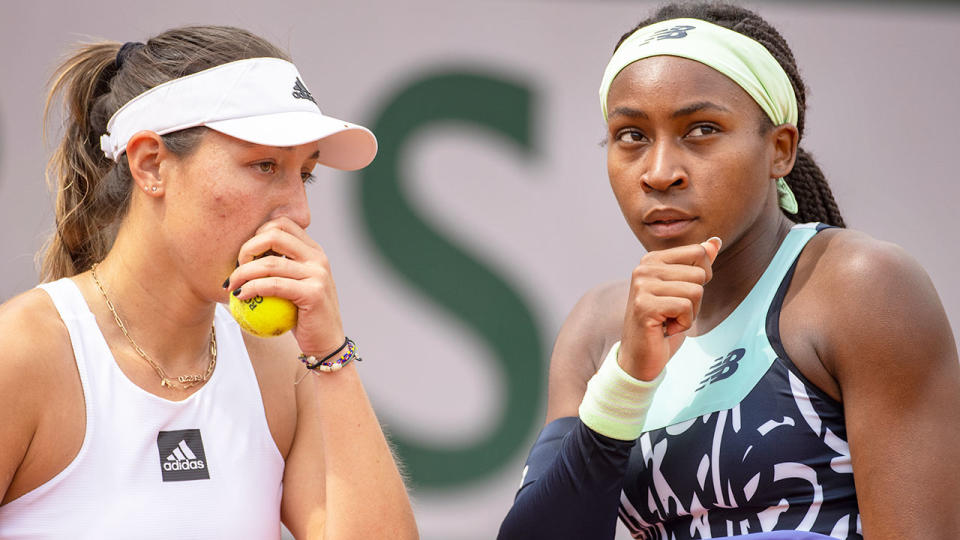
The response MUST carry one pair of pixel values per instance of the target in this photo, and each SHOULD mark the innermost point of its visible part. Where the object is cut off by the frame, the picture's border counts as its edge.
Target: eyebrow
(627, 111)
(685, 111)
(697, 107)
(248, 144)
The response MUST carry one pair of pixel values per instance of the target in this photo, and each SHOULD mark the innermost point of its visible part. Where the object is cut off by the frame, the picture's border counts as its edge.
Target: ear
(145, 153)
(784, 139)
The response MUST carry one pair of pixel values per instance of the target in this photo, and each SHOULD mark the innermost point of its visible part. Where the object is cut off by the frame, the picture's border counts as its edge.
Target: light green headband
(745, 61)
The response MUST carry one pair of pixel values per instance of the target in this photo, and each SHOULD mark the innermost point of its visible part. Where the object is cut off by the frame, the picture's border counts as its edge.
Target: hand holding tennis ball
(283, 282)
(264, 316)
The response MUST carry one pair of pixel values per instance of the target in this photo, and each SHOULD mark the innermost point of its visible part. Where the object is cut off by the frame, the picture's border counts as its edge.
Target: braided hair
(814, 198)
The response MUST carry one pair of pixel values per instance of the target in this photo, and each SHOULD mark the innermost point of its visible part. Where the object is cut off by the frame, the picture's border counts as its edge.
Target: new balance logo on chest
(722, 368)
(182, 456)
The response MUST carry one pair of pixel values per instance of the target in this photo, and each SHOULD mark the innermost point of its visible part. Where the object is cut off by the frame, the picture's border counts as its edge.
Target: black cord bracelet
(329, 363)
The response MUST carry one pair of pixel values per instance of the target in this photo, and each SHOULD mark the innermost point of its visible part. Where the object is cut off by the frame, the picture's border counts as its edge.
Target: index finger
(287, 225)
(692, 254)
(278, 241)
(702, 255)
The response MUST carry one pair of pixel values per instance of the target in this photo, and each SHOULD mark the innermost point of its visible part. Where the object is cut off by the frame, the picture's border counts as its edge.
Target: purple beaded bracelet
(333, 361)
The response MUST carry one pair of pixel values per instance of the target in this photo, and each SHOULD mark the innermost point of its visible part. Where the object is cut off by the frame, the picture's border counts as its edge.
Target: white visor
(258, 100)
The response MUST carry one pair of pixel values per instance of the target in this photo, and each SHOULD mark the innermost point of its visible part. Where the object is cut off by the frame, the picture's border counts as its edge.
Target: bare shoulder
(32, 336)
(276, 366)
(858, 273)
(590, 330)
(596, 321)
(873, 294)
(38, 378)
(860, 257)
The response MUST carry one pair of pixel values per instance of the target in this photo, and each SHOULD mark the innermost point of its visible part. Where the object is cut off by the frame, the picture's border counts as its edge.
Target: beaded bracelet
(335, 360)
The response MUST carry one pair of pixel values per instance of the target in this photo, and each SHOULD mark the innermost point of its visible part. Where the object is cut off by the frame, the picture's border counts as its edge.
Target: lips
(666, 215)
(667, 222)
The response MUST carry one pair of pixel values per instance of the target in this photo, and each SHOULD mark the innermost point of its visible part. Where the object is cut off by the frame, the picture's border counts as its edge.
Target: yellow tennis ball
(264, 316)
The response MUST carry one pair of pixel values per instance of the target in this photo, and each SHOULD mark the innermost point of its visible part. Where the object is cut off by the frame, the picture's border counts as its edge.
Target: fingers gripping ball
(264, 316)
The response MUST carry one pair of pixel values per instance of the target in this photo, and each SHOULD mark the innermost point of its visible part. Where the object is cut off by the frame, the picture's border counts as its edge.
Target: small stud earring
(153, 188)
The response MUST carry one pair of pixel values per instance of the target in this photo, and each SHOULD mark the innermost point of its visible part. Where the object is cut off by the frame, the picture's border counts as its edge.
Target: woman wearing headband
(131, 404)
(773, 372)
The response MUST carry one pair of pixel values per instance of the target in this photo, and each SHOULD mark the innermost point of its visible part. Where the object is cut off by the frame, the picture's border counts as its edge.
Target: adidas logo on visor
(300, 91)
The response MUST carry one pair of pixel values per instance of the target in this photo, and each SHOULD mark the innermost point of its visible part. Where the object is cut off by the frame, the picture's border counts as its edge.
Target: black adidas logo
(300, 91)
(182, 456)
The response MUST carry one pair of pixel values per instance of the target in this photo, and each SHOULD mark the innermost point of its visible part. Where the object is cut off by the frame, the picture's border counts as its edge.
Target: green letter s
(449, 276)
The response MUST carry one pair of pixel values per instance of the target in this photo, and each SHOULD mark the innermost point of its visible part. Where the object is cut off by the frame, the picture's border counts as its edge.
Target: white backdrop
(882, 110)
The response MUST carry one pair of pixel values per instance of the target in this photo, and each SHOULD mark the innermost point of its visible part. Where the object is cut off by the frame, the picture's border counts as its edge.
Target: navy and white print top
(737, 440)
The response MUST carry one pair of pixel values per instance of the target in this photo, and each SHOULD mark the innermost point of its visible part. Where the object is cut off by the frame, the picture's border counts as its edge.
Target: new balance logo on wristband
(182, 456)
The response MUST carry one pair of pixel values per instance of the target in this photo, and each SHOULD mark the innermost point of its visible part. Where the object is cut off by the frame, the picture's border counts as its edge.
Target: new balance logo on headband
(300, 91)
(676, 32)
(182, 456)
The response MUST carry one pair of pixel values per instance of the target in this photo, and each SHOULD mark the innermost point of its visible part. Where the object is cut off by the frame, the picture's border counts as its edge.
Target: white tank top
(204, 467)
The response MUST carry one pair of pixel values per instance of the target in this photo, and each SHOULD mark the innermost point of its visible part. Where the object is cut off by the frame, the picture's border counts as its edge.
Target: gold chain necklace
(186, 381)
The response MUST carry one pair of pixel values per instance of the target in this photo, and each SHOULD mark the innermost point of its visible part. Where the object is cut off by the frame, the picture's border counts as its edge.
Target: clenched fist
(665, 293)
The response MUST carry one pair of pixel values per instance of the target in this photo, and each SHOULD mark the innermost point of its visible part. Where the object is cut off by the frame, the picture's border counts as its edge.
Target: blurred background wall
(487, 213)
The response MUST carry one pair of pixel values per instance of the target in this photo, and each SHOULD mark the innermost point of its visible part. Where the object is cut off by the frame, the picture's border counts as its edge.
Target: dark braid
(814, 198)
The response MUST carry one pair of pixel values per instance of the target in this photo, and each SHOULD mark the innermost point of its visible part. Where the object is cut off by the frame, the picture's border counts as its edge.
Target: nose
(294, 204)
(663, 169)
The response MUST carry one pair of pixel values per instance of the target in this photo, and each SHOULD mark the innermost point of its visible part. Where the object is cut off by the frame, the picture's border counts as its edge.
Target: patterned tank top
(737, 440)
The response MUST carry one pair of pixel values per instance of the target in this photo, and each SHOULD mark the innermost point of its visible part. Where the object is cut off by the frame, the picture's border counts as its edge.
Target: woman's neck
(737, 270)
(156, 305)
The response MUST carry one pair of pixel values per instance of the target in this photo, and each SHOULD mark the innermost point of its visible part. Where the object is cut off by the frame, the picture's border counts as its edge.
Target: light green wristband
(616, 403)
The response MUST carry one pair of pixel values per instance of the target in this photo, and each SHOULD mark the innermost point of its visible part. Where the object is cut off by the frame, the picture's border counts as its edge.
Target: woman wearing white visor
(131, 404)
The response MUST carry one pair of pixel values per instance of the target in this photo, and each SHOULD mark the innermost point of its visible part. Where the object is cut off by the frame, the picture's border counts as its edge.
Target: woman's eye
(307, 177)
(266, 167)
(630, 136)
(706, 129)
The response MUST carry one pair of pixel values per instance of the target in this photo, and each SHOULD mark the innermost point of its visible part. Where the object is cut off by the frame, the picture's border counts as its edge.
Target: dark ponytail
(814, 198)
(93, 192)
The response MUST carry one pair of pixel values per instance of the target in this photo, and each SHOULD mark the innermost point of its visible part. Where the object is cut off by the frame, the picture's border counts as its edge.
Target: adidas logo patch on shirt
(182, 456)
